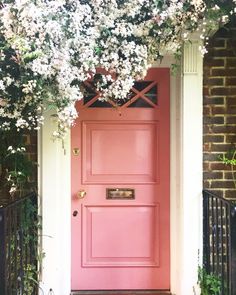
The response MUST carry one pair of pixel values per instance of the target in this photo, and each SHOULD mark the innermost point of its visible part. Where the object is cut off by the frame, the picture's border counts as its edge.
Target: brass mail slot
(120, 193)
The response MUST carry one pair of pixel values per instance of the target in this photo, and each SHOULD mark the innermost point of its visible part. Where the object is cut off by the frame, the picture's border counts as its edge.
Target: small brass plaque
(120, 193)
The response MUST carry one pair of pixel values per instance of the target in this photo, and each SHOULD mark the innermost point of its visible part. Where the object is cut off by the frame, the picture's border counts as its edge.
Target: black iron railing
(18, 247)
(219, 240)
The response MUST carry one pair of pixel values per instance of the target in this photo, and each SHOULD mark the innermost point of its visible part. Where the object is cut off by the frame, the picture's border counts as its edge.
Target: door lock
(75, 213)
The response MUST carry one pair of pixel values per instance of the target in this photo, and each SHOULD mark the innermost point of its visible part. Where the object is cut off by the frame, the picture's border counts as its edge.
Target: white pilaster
(191, 162)
(56, 211)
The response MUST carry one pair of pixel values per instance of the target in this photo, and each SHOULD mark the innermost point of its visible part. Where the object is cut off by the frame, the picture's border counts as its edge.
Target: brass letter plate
(120, 193)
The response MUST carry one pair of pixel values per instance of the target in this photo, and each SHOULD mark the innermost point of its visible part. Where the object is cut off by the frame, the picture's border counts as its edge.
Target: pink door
(120, 159)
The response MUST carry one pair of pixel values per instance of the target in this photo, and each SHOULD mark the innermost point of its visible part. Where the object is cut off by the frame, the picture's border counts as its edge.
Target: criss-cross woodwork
(144, 94)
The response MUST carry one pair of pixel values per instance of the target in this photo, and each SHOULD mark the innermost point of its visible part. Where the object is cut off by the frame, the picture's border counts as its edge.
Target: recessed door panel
(111, 235)
(120, 152)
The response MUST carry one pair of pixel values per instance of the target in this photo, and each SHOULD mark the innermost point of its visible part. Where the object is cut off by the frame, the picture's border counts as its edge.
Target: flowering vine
(48, 48)
(17, 168)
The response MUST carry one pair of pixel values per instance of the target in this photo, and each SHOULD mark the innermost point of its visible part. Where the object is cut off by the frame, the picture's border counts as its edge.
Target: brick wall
(220, 110)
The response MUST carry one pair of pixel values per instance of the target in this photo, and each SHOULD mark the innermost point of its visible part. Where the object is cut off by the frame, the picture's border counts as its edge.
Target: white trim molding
(186, 170)
(191, 169)
(55, 196)
(186, 186)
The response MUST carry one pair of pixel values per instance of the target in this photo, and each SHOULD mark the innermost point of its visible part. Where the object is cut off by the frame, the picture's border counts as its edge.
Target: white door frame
(186, 186)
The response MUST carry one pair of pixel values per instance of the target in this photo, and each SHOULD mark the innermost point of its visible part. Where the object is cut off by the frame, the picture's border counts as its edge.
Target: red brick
(207, 147)
(206, 129)
(206, 110)
(213, 175)
(231, 120)
(218, 110)
(218, 43)
(223, 52)
(218, 166)
(223, 72)
(223, 91)
(206, 166)
(230, 81)
(222, 184)
(216, 81)
(213, 120)
(231, 138)
(231, 101)
(231, 43)
(206, 184)
(224, 129)
(231, 109)
(209, 100)
(214, 138)
(230, 194)
(214, 62)
(228, 175)
(206, 90)
(211, 157)
(219, 147)
(231, 62)
(206, 71)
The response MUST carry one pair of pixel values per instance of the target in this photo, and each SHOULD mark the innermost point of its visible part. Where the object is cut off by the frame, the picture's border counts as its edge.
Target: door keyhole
(75, 213)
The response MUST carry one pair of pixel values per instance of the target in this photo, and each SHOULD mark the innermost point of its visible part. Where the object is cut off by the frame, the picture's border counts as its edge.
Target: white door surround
(186, 186)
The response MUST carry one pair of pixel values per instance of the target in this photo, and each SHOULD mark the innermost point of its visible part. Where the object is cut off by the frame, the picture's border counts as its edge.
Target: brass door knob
(81, 194)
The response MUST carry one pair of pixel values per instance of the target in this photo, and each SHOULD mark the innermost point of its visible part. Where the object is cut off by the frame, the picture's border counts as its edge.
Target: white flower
(225, 18)
(13, 189)
(21, 123)
(8, 80)
(216, 7)
(2, 86)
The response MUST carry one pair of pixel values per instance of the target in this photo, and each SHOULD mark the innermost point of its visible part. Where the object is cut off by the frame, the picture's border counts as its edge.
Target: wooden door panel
(111, 235)
(122, 243)
(116, 152)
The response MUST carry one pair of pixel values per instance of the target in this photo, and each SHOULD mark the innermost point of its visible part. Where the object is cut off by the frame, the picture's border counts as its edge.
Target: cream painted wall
(186, 186)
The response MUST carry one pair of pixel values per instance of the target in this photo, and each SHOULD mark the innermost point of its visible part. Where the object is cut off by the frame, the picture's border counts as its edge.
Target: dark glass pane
(140, 85)
(89, 92)
(152, 94)
(100, 104)
(87, 98)
(121, 102)
(140, 103)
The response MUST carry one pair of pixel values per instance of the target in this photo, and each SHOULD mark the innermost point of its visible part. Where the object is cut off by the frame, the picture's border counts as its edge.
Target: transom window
(144, 94)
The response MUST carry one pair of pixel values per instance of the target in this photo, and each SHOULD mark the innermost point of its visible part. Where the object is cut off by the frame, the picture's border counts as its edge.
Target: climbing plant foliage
(49, 48)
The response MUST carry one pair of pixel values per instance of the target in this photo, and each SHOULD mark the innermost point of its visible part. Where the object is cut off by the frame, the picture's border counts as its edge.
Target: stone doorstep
(120, 292)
